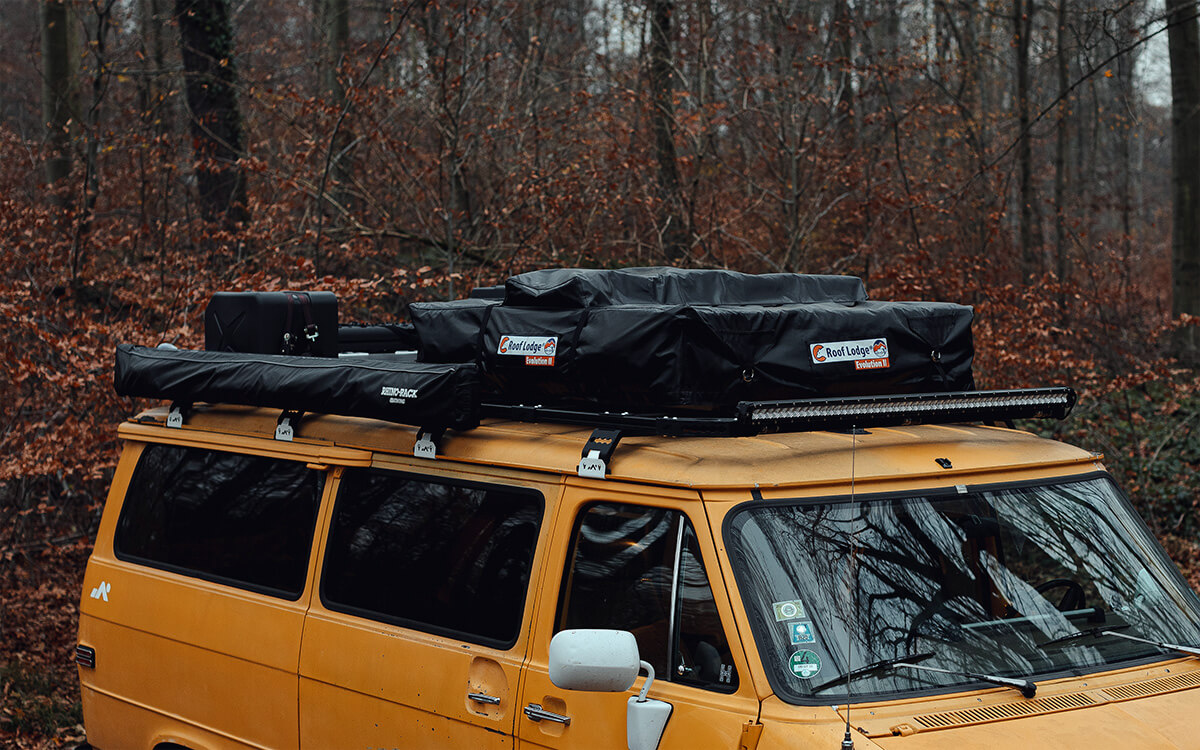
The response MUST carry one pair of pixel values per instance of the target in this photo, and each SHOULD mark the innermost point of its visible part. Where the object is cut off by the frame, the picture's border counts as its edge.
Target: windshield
(982, 580)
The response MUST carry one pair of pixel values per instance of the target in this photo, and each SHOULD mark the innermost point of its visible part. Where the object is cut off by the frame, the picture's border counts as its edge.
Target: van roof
(780, 460)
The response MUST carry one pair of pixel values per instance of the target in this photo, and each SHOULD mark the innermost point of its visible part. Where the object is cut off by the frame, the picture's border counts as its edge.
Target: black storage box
(272, 323)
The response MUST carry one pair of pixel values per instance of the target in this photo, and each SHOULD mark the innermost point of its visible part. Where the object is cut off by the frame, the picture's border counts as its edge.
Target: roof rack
(800, 415)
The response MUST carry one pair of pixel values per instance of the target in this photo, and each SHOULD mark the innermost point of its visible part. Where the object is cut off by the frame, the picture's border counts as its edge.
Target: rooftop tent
(583, 287)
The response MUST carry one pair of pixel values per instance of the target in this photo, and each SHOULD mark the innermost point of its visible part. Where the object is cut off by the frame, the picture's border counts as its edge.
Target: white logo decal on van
(101, 591)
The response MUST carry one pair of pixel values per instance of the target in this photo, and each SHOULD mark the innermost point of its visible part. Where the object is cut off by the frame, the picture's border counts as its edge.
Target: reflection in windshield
(984, 579)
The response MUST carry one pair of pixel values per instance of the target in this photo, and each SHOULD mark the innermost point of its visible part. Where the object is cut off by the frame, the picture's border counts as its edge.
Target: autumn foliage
(463, 143)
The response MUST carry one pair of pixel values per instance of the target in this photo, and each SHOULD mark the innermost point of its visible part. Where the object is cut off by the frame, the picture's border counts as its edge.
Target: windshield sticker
(802, 632)
(805, 664)
(866, 354)
(790, 610)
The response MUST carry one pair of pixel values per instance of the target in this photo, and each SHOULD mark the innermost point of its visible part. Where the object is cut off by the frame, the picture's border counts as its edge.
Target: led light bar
(917, 408)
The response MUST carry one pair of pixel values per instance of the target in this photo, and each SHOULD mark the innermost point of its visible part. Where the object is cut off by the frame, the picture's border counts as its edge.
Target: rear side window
(242, 520)
(440, 556)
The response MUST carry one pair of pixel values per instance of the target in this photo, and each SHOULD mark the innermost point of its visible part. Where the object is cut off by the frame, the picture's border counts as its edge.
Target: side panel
(700, 719)
(182, 659)
(369, 683)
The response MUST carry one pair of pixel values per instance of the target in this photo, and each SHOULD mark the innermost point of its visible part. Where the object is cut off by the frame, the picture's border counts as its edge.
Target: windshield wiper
(1027, 687)
(1097, 632)
(874, 667)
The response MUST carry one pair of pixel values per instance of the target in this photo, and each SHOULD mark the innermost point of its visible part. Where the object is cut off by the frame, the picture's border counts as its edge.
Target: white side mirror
(601, 660)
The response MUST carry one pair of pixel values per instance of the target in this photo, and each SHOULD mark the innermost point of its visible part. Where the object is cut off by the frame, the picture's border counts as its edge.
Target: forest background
(1031, 158)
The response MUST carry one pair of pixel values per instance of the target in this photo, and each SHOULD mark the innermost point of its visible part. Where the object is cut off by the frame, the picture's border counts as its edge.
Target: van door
(643, 563)
(420, 630)
(194, 599)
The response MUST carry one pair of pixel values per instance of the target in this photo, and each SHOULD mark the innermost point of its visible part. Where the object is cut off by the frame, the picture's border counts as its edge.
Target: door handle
(491, 700)
(537, 713)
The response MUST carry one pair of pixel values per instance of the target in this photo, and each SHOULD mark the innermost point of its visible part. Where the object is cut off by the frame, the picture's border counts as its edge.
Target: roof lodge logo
(537, 350)
(866, 354)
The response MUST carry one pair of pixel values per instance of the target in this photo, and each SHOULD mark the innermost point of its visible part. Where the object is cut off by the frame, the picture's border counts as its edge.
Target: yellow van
(874, 571)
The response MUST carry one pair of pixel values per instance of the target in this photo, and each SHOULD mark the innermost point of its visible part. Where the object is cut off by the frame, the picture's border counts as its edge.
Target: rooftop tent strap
(443, 395)
(581, 287)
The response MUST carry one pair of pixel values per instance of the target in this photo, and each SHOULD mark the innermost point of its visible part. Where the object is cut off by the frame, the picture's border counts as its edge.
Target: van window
(639, 569)
(434, 555)
(243, 520)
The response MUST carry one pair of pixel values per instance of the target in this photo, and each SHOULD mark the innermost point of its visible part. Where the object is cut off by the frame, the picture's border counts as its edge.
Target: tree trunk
(1184, 40)
(1030, 232)
(1061, 146)
(59, 106)
(333, 20)
(206, 42)
(662, 118)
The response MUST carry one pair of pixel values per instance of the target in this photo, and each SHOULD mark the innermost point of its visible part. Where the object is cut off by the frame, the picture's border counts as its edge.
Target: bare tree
(206, 42)
(662, 121)
(59, 105)
(1184, 39)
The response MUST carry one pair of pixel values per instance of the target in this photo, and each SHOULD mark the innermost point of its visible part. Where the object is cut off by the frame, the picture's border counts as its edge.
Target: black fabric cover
(582, 287)
(384, 338)
(650, 357)
(407, 392)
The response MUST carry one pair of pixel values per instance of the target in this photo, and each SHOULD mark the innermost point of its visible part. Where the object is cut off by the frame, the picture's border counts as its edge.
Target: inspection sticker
(805, 664)
(802, 632)
(789, 610)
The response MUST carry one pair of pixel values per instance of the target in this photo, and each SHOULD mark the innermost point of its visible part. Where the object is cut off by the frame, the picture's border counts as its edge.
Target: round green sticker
(804, 664)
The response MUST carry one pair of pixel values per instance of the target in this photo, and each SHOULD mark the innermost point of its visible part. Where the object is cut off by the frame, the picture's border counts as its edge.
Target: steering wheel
(1072, 598)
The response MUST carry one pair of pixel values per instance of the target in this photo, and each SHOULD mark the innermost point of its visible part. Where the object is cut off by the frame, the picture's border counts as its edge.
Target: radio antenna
(852, 588)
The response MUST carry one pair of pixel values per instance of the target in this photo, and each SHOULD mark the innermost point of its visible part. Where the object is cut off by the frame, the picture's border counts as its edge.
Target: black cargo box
(380, 387)
(272, 323)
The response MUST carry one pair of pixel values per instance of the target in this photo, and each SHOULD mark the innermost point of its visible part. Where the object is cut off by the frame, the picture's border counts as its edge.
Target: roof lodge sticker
(538, 351)
(866, 354)
(804, 664)
(789, 610)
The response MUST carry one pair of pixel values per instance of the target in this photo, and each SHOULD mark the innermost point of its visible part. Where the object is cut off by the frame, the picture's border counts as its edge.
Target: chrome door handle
(537, 713)
(491, 700)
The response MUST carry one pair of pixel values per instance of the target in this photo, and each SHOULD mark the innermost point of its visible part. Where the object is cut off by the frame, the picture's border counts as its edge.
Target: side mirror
(601, 660)
(608, 661)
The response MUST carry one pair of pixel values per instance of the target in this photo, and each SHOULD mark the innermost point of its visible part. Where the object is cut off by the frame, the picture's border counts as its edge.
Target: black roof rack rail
(756, 417)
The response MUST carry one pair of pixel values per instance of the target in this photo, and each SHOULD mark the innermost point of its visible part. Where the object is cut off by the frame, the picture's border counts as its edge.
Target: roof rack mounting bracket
(178, 414)
(288, 423)
(428, 441)
(597, 453)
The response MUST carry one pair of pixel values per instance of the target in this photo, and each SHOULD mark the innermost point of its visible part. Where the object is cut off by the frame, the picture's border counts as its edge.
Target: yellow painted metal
(295, 674)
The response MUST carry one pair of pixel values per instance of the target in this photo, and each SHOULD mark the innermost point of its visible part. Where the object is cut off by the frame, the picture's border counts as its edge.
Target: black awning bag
(563, 288)
(425, 395)
(651, 357)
